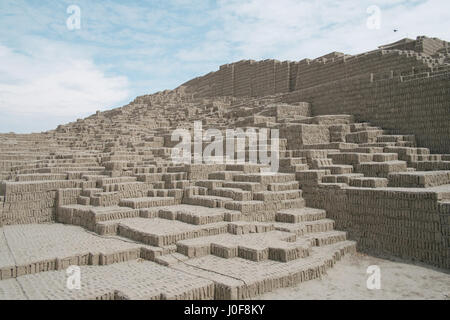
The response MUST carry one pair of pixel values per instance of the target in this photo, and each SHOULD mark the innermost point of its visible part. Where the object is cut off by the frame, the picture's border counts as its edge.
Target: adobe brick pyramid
(364, 165)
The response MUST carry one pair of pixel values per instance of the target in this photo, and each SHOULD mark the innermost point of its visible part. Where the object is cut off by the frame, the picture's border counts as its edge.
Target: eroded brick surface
(358, 169)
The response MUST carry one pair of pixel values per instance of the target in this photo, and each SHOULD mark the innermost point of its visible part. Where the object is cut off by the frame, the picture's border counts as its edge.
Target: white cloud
(295, 29)
(55, 81)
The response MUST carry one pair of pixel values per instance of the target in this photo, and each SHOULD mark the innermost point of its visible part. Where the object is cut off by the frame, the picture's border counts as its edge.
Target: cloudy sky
(53, 72)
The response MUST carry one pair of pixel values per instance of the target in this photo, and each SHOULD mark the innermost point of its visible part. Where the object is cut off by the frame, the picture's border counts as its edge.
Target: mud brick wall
(34, 201)
(419, 179)
(422, 44)
(282, 71)
(216, 81)
(444, 214)
(412, 225)
(298, 135)
(420, 106)
(293, 69)
(243, 75)
(207, 86)
(227, 73)
(400, 45)
(247, 78)
(263, 80)
(429, 45)
(288, 110)
(67, 196)
(202, 84)
(320, 71)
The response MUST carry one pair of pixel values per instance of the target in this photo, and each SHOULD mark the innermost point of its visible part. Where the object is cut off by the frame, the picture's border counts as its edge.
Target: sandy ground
(347, 280)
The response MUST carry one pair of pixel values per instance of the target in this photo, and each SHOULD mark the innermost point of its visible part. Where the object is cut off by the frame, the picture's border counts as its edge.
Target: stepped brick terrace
(364, 165)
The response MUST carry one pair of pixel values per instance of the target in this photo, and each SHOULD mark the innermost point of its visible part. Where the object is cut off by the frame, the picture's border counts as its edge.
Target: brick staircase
(243, 231)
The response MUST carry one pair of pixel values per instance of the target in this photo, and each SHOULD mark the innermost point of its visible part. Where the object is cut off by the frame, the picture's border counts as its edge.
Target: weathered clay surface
(104, 193)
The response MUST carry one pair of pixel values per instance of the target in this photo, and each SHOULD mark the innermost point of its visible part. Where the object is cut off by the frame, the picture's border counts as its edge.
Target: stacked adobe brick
(396, 87)
(113, 174)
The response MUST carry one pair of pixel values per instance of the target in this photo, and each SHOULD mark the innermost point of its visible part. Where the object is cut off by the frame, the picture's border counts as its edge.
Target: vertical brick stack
(419, 106)
(412, 224)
